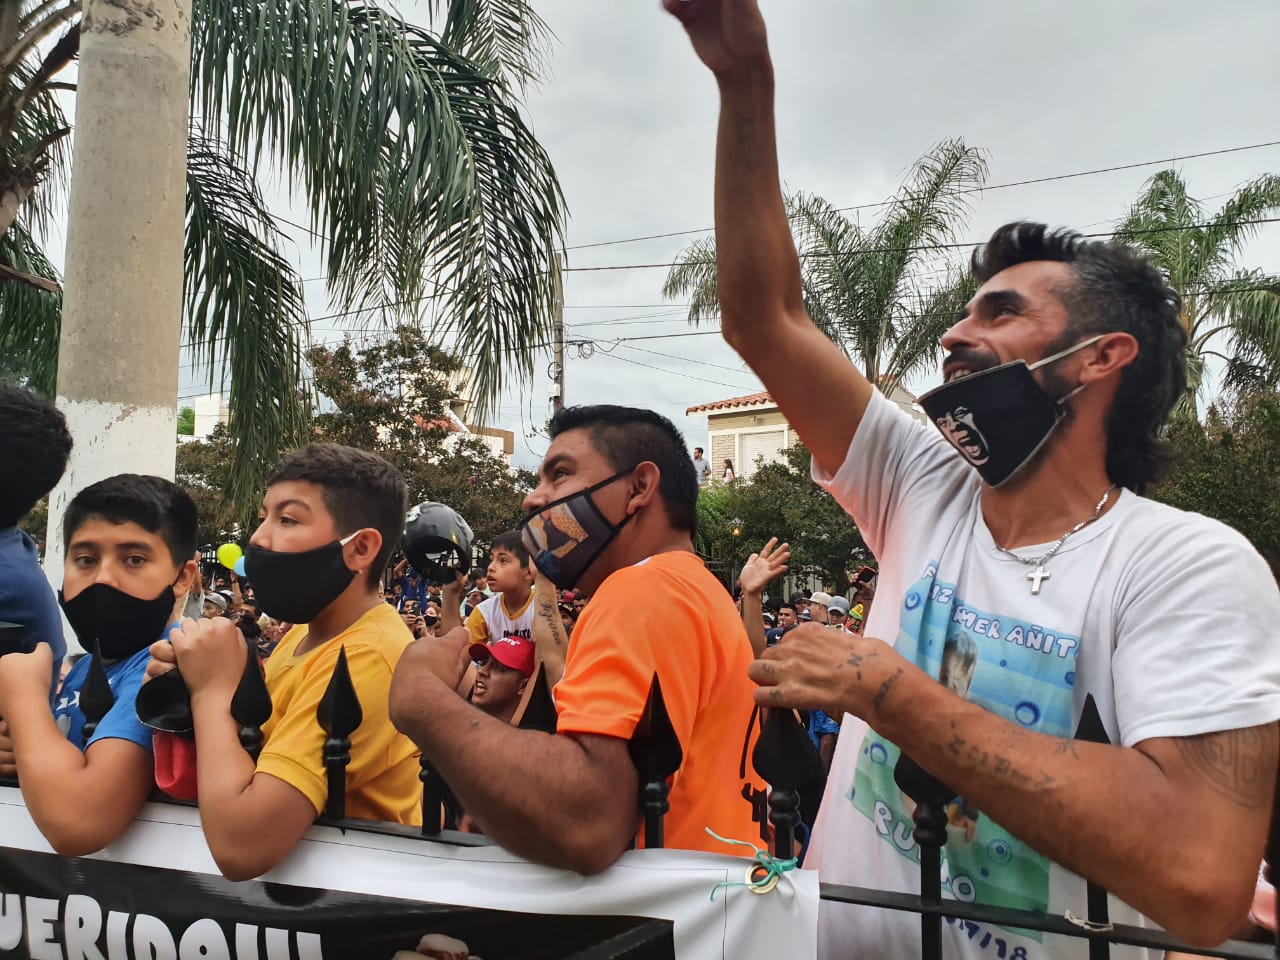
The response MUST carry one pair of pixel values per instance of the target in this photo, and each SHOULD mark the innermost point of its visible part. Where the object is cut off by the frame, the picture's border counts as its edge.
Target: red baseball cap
(513, 652)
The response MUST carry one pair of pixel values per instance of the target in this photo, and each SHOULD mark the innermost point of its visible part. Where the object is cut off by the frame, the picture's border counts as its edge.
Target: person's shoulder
(380, 631)
(1153, 527)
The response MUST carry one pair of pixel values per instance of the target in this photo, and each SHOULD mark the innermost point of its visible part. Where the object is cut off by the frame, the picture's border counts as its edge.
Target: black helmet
(437, 541)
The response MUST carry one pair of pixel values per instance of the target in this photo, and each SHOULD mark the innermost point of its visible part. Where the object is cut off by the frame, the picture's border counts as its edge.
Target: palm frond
(245, 312)
(419, 171)
(38, 143)
(506, 39)
(1158, 223)
(1217, 244)
(30, 319)
(919, 342)
(1249, 306)
(829, 243)
(496, 245)
(693, 275)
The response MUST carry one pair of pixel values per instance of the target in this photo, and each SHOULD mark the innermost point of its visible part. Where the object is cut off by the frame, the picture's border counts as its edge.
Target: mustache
(972, 357)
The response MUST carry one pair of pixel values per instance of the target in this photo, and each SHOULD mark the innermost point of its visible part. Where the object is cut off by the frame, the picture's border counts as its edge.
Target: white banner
(156, 894)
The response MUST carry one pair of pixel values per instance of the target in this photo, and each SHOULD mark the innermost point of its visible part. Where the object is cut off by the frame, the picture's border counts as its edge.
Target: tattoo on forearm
(882, 694)
(1239, 764)
(998, 766)
(550, 615)
(1066, 746)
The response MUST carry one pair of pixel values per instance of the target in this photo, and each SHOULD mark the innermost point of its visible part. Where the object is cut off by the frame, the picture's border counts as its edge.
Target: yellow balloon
(228, 554)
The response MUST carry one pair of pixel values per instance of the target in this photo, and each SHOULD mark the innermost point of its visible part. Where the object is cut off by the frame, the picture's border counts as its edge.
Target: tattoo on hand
(878, 700)
(1239, 764)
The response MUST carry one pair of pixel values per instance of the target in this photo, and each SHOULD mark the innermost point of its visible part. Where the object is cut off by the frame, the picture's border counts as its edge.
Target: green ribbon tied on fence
(763, 874)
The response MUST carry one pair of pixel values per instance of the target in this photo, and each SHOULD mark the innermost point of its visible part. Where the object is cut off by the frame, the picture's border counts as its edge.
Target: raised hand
(763, 567)
(726, 34)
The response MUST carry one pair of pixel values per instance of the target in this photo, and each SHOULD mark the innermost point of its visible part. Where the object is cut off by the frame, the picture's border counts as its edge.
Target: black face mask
(999, 418)
(295, 587)
(567, 535)
(118, 623)
(430, 621)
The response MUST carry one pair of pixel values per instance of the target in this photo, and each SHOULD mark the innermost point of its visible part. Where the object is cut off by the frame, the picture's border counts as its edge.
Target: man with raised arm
(1025, 587)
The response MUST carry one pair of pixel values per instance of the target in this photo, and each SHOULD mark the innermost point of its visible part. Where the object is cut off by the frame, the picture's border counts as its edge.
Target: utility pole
(557, 391)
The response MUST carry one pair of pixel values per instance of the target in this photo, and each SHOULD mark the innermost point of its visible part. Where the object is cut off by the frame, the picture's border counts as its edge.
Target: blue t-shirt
(27, 599)
(121, 721)
(820, 725)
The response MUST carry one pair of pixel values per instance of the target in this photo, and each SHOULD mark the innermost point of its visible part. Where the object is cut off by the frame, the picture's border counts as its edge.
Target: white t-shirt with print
(1166, 621)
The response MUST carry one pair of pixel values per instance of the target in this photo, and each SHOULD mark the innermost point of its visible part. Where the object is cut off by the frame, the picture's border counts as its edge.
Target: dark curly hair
(1115, 289)
(36, 445)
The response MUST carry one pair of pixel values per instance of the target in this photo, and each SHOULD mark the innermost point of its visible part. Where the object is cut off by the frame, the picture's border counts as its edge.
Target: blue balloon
(239, 567)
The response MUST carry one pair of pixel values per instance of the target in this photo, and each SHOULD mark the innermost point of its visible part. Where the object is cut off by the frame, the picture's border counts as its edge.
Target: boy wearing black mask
(331, 517)
(128, 542)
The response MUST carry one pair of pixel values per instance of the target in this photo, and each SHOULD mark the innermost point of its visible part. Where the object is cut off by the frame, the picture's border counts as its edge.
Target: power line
(956, 193)
(968, 244)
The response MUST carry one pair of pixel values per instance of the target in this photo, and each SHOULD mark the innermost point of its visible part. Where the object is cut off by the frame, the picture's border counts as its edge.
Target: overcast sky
(864, 88)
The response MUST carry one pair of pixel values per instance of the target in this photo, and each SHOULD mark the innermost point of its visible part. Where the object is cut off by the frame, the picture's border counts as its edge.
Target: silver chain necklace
(1039, 575)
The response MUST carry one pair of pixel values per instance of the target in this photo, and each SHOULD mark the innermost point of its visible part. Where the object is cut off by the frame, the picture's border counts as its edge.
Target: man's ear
(644, 486)
(1109, 356)
(363, 549)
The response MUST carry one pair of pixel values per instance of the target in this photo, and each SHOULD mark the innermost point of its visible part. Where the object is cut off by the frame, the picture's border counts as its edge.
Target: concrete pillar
(122, 305)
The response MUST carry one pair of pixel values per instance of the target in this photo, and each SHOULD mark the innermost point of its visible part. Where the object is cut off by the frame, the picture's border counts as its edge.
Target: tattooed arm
(1175, 827)
(549, 638)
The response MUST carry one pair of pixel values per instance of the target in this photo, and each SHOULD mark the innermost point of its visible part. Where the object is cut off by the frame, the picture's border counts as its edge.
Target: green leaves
(245, 314)
(422, 179)
(876, 292)
(1231, 314)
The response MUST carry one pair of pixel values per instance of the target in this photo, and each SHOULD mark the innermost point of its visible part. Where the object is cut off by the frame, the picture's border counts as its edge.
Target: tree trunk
(122, 307)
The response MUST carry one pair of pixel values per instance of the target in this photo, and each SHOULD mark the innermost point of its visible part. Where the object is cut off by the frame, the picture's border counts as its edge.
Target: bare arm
(550, 640)
(587, 809)
(451, 604)
(56, 777)
(760, 569)
(1212, 792)
(251, 820)
(762, 308)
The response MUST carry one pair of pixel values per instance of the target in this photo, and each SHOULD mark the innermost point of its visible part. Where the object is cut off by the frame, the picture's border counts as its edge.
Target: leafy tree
(1229, 469)
(186, 422)
(204, 471)
(1230, 313)
(421, 177)
(867, 288)
(781, 500)
(393, 397)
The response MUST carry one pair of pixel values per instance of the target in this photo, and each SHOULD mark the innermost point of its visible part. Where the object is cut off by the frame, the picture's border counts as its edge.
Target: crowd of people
(1020, 649)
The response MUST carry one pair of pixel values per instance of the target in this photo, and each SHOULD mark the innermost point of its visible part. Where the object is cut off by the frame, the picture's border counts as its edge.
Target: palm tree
(424, 184)
(1230, 314)
(870, 290)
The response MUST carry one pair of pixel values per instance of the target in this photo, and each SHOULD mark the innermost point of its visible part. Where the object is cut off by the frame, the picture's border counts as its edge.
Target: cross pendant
(1037, 577)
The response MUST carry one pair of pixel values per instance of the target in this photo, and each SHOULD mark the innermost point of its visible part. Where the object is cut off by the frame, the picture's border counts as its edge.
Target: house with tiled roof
(744, 429)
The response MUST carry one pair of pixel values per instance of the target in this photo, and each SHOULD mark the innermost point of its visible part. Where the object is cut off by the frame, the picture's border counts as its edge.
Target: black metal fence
(784, 757)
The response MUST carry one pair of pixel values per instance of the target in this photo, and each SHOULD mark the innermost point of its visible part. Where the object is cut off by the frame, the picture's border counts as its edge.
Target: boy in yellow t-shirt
(331, 517)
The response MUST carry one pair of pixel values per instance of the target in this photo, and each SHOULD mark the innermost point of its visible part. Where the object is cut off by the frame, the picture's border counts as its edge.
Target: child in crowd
(331, 517)
(129, 541)
(36, 445)
(509, 613)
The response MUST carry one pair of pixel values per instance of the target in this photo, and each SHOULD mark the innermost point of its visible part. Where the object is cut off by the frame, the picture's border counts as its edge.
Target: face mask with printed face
(119, 623)
(999, 418)
(295, 587)
(567, 535)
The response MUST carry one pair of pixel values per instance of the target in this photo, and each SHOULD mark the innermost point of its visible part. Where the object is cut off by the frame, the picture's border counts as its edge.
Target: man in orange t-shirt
(614, 516)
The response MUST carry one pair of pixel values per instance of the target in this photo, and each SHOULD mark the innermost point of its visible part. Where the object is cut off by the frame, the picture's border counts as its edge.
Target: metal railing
(784, 757)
